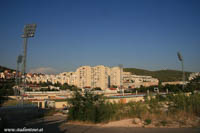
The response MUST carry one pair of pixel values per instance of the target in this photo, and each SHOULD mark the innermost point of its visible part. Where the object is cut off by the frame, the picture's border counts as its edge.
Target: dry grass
(176, 119)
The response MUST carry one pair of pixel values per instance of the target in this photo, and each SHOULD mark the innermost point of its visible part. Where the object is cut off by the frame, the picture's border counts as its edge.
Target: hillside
(162, 75)
(2, 69)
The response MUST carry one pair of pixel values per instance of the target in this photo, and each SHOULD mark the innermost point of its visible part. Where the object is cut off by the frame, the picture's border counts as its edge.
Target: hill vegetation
(162, 75)
(2, 69)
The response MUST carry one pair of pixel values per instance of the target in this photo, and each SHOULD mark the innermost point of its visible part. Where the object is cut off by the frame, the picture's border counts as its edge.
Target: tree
(6, 89)
(87, 107)
(58, 84)
(65, 86)
(113, 86)
(97, 89)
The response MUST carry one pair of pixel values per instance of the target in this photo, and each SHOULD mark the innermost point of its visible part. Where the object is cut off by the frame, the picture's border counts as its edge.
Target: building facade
(136, 81)
(98, 76)
(84, 77)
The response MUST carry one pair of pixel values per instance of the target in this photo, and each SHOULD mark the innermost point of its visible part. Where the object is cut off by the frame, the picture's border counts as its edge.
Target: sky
(143, 34)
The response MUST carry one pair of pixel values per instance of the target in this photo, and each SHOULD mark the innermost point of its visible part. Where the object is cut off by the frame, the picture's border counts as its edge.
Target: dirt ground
(58, 124)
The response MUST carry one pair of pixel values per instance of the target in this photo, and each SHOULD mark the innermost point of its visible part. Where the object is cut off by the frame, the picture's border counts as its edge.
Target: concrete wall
(60, 105)
(125, 100)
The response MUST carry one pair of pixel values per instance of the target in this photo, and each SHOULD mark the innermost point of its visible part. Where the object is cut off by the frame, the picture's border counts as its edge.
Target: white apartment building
(136, 81)
(83, 74)
(100, 77)
(2, 75)
(84, 77)
(97, 76)
(116, 76)
(69, 78)
(194, 75)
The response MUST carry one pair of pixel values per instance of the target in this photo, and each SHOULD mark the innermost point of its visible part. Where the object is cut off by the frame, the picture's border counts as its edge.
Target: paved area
(57, 124)
(93, 129)
(50, 124)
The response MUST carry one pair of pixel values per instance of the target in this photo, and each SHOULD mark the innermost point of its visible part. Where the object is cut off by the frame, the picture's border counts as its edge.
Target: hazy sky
(136, 33)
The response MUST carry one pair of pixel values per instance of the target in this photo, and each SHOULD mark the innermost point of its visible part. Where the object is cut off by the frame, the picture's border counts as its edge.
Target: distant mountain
(2, 69)
(162, 75)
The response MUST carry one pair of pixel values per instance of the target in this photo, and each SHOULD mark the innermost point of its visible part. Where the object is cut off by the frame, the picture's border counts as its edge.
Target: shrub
(147, 121)
(93, 108)
(89, 107)
(189, 104)
(163, 122)
(136, 109)
(154, 106)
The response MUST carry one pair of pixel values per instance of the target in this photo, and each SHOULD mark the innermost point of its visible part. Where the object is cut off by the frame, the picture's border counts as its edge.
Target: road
(57, 124)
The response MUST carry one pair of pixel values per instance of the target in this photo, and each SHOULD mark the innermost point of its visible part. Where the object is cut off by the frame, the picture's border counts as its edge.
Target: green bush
(148, 121)
(163, 123)
(89, 107)
(94, 108)
(136, 109)
(154, 106)
(190, 104)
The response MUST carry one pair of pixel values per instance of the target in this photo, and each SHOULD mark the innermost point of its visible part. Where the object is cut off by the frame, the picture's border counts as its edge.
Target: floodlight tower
(19, 61)
(121, 73)
(29, 31)
(182, 64)
(121, 77)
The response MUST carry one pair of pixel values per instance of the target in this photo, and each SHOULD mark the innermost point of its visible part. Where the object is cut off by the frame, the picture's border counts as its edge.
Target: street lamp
(29, 31)
(182, 64)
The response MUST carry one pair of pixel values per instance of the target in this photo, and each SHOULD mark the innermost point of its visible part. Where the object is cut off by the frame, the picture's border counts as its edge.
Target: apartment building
(100, 77)
(67, 77)
(194, 75)
(97, 76)
(2, 75)
(116, 76)
(136, 81)
(84, 77)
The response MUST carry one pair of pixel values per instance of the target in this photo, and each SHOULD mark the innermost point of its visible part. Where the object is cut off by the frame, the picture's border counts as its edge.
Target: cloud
(44, 70)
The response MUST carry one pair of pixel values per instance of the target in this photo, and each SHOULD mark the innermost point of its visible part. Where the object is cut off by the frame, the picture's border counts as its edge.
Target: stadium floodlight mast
(182, 64)
(121, 78)
(19, 61)
(29, 31)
